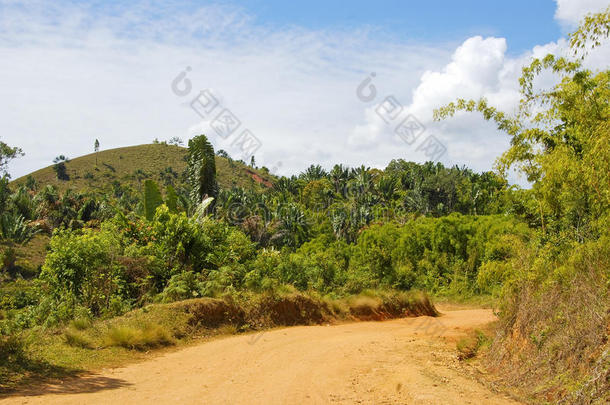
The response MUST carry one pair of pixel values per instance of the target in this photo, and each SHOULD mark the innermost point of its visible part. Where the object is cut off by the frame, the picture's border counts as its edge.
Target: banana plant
(16, 228)
(152, 199)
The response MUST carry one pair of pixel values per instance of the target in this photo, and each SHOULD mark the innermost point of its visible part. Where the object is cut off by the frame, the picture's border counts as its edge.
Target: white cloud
(369, 133)
(478, 68)
(571, 12)
(70, 75)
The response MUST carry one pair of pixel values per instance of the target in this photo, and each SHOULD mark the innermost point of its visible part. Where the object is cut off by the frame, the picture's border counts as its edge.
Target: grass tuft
(77, 339)
(139, 338)
(81, 324)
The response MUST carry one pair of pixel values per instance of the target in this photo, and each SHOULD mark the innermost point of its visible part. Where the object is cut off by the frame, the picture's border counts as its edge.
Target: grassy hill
(134, 164)
(129, 166)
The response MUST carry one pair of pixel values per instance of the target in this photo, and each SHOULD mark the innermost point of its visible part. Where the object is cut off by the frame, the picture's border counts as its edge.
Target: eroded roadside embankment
(84, 345)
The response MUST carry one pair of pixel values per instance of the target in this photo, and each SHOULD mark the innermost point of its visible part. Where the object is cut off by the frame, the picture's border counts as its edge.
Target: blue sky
(73, 72)
(523, 23)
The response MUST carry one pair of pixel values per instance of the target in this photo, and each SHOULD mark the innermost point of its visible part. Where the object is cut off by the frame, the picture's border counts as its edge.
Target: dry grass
(227, 329)
(122, 163)
(139, 337)
(552, 344)
(29, 257)
(472, 344)
(81, 323)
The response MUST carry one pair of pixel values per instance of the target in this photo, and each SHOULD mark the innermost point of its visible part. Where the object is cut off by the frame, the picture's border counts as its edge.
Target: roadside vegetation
(139, 260)
(552, 341)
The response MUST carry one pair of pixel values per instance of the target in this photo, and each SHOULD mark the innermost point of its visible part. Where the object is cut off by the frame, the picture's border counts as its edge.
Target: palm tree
(362, 182)
(287, 184)
(293, 226)
(16, 228)
(339, 220)
(387, 187)
(339, 176)
(313, 172)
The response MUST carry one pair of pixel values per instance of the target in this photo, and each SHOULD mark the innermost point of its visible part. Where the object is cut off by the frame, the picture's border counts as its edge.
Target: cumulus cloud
(478, 68)
(571, 12)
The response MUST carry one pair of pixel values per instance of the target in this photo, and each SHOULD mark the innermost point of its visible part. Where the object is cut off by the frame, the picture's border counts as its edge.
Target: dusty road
(403, 361)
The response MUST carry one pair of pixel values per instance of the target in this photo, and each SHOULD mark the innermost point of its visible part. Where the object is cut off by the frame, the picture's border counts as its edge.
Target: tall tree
(201, 169)
(560, 136)
(96, 149)
(60, 167)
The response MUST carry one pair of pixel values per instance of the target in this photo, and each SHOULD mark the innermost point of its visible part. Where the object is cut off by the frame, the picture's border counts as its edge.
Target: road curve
(402, 361)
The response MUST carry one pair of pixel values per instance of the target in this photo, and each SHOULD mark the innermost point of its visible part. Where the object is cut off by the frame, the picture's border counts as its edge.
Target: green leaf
(152, 199)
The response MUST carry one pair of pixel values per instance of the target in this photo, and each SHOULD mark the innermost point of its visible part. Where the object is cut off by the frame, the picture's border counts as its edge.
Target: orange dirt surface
(401, 361)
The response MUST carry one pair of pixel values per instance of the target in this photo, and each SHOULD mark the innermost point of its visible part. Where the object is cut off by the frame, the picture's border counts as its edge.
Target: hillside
(133, 164)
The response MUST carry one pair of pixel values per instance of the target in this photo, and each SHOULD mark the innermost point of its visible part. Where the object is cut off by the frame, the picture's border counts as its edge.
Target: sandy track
(403, 361)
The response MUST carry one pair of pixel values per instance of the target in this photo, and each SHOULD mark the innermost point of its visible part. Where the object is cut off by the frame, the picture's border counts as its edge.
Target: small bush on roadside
(81, 269)
(181, 286)
(469, 346)
(138, 338)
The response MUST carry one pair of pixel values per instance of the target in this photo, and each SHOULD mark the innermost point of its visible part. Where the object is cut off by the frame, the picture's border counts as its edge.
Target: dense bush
(437, 254)
(554, 320)
(133, 261)
(81, 269)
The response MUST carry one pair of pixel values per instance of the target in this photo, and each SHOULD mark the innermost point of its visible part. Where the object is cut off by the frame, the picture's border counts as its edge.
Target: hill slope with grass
(133, 164)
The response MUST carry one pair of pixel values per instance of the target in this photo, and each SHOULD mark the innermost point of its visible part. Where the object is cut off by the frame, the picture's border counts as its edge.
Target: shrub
(469, 346)
(556, 313)
(8, 258)
(16, 228)
(81, 269)
(12, 350)
(264, 266)
(182, 286)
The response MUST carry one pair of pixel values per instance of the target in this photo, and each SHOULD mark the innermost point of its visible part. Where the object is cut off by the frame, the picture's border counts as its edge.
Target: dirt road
(403, 361)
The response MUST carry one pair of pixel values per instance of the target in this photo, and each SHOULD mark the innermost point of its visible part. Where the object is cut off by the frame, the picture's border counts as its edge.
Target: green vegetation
(552, 341)
(476, 341)
(161, 244)
(7, 153)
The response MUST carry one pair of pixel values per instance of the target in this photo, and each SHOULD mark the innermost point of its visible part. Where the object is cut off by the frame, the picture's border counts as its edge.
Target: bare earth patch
(408, 360)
